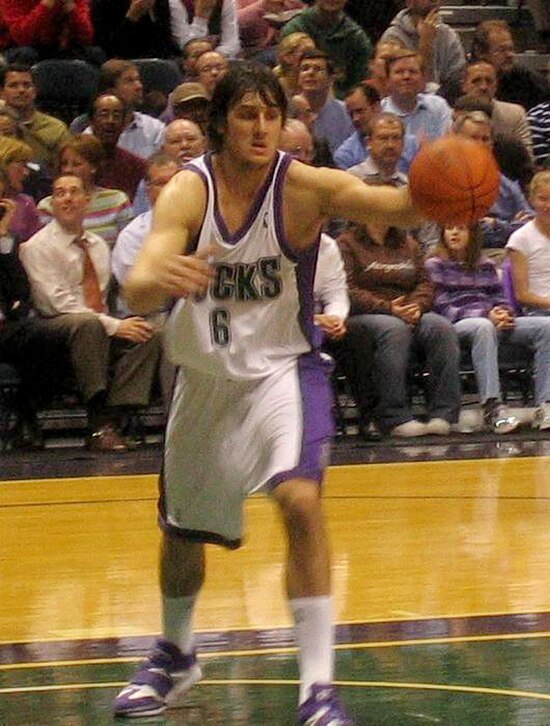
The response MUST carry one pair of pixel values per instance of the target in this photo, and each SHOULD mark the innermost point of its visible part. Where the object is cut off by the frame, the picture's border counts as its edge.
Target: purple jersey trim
(226, 235)
(317, 424)
(306, 259)
(189, 535)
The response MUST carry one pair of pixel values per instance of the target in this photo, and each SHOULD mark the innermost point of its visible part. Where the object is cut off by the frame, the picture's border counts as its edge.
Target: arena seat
(65, 88)
(158, 74)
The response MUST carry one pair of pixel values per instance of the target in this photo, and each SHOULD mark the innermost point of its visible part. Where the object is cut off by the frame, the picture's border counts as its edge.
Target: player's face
(69, 201)
(360, 110)
(253, 130)
(480, 81)
(386, 143)
(501, 50)
(405, 77)
(457, 240)
(19, 90)
(540, 201)
(129, 87)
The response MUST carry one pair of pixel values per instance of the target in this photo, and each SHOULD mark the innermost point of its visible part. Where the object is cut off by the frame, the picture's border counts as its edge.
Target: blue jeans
(387, 342)
(532, 332)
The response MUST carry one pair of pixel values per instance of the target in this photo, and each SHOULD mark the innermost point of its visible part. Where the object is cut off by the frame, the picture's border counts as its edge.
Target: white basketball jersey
(258, 313)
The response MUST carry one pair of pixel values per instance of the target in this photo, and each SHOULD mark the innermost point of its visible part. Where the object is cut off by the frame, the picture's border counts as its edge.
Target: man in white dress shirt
(113, 360)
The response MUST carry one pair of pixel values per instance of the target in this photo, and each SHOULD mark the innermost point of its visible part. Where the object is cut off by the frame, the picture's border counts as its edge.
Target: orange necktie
(90, 282)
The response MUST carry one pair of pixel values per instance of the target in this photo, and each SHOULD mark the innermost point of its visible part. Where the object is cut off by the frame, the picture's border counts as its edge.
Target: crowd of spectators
(367, 84)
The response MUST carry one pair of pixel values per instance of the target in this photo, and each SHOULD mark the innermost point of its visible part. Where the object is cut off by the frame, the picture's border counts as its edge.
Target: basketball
(454, 180)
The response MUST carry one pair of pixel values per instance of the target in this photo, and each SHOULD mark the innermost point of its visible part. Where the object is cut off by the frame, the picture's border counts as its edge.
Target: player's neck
(239, 177)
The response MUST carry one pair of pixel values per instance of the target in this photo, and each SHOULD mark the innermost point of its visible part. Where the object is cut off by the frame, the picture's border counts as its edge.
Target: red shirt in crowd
(30, 23)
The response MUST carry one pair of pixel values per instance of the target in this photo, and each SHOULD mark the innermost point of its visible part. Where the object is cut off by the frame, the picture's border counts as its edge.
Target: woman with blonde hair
(109, 210)
(289, 54)
(15, 156)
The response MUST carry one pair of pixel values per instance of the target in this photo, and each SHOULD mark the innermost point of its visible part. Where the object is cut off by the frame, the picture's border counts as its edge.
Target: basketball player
(235, 238)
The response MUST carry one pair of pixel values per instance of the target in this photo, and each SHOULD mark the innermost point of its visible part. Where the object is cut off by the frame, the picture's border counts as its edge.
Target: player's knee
(300, 507)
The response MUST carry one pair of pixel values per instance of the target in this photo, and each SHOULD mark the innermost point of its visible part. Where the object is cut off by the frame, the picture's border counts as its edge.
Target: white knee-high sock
(177, 621)
(314, 629)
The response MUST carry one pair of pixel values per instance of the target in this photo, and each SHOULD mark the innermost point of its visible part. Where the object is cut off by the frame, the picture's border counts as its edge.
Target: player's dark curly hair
(242, 78)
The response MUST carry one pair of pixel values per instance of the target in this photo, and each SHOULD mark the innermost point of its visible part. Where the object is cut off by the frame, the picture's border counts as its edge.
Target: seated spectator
(189, 101)
(511, 154)
(142, 134)
(114, 361)
(425, 115)
(344, 42)
(43, 133)
(39, 29)
(183, 140)
(259, 29)
(363, 103)
(372, 15)
(377, 75)
(299, 111)
(315, 80)
(26, 342)
(493, 42)
(120, 169)
(538, 119)
(289, 53)
(211, 68)
(14, 158)
(511, 210)
(529, 252)
(391, 316)
(469, 293)
(190, 53)
(108, 210)
(297, 141)
(385, 144)
(419, 28)
(330, 290)
(160, 169)
(206, 19)
(508, 119)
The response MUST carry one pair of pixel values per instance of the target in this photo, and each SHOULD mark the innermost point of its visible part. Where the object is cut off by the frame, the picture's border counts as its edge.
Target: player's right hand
(184, 275)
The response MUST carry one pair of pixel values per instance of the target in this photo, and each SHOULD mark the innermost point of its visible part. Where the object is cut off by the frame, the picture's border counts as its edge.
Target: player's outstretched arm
(343, 195)
(162, 270)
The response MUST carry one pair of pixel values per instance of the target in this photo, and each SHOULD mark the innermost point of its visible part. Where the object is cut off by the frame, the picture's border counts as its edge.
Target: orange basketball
(454, 180)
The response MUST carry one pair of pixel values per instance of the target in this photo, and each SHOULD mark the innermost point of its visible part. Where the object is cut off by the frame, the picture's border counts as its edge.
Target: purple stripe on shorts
(317, 425)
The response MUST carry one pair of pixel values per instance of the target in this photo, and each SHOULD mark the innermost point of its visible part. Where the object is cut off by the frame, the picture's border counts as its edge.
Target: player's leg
(309, 592)
(171, 668)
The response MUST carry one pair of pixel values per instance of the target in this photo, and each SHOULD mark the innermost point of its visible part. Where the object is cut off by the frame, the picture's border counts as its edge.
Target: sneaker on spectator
(499, 419)
(409, 429)
(438, 427)
(163, 677)
(542, 417)
(323, 708)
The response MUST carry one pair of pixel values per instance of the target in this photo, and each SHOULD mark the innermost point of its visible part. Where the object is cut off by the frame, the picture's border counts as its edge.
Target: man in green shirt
(334, 32)
(43, 133)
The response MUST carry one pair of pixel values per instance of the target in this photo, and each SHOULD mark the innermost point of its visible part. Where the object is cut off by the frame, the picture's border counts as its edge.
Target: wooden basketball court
(441, 579)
